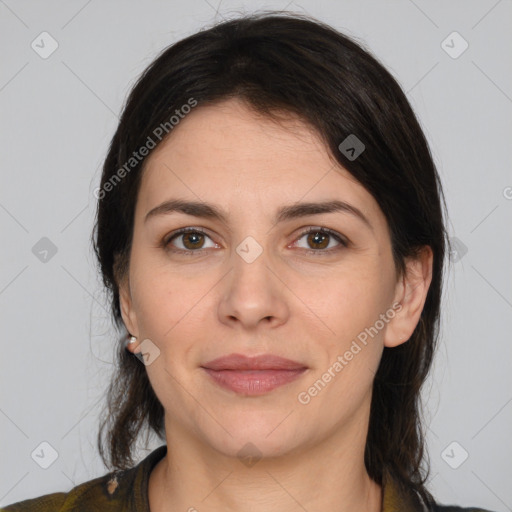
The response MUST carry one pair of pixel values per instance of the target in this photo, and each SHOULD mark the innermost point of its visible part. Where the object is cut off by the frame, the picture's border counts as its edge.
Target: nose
(253, 294)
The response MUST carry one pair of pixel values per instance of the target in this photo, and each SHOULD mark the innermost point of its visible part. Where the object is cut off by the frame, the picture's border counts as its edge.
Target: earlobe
(411, 293)
(131, 345)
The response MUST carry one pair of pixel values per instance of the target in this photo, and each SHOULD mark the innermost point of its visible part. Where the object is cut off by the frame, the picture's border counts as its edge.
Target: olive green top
(127, 491)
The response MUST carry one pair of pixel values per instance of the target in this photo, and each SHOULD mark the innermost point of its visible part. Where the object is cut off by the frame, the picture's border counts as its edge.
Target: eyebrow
(294, 211)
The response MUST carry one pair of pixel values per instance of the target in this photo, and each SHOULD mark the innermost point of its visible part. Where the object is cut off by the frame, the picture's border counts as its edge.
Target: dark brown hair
(282, 62)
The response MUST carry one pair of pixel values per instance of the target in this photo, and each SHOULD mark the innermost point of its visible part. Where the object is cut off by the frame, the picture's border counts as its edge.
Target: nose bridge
(251, 292)
(250, 277)
(249, 250)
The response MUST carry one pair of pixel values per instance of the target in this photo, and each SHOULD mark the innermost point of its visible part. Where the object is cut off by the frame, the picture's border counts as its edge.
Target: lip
(253, 375)
(263, 362)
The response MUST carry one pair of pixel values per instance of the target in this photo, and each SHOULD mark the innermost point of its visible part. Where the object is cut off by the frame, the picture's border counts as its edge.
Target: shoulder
(91, 495)
(112, 492)
(398, 496)
(40, 504)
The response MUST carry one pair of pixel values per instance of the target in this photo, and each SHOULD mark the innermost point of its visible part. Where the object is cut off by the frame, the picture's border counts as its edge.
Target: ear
(127, 310)
(411, 293)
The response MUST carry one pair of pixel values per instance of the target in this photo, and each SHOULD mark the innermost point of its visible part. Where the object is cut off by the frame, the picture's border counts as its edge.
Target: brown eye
(187, 240)
(193, 240)
(318, 240)
(322, 240)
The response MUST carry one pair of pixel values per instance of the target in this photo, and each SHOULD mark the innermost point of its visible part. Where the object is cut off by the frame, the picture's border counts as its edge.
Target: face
(255, 282)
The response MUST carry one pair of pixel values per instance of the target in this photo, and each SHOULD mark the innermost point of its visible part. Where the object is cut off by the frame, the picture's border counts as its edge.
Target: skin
(306, 307)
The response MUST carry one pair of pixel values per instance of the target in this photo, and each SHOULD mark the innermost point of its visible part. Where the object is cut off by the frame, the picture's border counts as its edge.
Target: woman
(270, 227)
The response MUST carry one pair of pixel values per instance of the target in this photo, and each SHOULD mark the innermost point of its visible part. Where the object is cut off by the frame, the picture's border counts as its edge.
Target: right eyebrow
(194, 208)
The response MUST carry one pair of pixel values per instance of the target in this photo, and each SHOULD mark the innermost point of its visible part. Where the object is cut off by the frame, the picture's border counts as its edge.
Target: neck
(326, 476)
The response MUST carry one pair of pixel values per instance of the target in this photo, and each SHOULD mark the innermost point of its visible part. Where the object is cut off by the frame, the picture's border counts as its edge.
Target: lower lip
(253, 382)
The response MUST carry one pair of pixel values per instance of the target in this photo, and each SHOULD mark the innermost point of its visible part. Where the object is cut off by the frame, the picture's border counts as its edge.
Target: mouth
(253, 375)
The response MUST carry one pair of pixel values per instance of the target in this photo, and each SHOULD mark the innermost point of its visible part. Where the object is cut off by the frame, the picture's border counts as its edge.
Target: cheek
(353, 298)
(159, 296)
(172, 307)
(349, 305)
(161, 304)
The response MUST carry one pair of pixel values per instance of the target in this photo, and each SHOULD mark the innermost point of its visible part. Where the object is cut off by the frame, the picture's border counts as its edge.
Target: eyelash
(343, 242)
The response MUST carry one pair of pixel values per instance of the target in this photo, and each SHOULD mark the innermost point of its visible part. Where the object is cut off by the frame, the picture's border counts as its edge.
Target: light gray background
(58, 115)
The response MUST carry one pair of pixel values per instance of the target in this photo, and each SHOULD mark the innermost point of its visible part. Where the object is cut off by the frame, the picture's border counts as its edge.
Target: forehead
(228, 154)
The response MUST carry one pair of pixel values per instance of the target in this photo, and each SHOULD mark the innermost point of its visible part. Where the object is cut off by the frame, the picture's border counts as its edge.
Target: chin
(249, 448)
(257, 439)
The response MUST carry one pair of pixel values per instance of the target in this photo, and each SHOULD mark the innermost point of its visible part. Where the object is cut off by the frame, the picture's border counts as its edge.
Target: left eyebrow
(285, 213)
(305, 209)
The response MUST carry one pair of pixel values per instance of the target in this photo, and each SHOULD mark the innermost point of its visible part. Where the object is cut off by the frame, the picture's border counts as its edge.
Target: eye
(191, 240)
(320, 239)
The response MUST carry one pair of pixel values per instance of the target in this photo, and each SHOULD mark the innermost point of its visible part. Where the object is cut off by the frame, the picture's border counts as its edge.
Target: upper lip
(263, 362)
